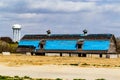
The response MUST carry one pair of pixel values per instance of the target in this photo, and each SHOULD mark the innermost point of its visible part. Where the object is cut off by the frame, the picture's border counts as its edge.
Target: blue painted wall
(34, 43)
(60, 45)
(96, 45)
(68, 44)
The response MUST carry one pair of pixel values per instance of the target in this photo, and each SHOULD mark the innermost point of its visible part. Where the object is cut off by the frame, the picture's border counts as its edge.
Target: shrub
(26, 77)
(13, 47)
(100, 79)
(74, 64)
(8, 47)
(85, 64)
(79, 79)
(58, 79)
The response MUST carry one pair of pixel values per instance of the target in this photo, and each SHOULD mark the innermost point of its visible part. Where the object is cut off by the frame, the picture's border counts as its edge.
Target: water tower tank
(16, 32)
(16, 26)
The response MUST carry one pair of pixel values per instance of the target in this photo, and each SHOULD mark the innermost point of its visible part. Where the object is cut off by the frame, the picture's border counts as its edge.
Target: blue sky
(60, 16)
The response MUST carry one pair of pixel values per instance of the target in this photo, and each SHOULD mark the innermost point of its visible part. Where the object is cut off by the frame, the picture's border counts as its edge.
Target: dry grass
(18, 60)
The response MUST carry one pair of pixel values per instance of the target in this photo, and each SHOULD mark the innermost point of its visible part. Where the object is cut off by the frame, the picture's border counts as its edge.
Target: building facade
(69, 43)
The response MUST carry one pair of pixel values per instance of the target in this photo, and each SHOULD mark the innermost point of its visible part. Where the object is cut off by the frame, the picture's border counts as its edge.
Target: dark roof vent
(48, 32)
(85, 32)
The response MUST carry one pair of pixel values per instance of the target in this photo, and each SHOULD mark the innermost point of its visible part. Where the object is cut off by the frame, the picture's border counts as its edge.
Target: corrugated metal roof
(34, 43)
(67, 36)
(60, 45)
(96, 45)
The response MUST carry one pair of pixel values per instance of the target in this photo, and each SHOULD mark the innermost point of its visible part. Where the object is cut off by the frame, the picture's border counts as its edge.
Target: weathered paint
(61, 45)
(34, 43)
(96, 45)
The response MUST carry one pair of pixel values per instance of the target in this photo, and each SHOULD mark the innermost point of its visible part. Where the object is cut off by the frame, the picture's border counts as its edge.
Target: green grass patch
(23, 78)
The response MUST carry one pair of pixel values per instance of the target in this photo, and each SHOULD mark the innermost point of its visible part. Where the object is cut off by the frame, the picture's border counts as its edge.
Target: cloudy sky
(60, 16)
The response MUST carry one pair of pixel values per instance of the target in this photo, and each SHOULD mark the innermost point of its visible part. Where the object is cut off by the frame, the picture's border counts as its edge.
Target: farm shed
(83, 45)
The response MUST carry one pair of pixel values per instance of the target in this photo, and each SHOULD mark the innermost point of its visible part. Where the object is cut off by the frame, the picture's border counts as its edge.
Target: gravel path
(64, 72)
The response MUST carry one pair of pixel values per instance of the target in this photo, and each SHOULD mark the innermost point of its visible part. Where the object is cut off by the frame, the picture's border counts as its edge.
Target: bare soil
(64, 72)
(67, 68)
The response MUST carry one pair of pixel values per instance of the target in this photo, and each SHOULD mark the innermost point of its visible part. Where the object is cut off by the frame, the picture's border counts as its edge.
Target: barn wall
(112, 48)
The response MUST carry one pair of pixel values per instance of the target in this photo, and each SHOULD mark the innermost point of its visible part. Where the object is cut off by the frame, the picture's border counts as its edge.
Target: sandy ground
(61, 71)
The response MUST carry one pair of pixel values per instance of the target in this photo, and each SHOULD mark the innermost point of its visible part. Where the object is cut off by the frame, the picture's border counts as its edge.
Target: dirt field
(19, 60)
(64, 72)
(67, 68)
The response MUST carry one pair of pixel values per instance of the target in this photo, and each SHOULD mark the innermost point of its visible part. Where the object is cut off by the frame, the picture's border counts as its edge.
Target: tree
(8, 47)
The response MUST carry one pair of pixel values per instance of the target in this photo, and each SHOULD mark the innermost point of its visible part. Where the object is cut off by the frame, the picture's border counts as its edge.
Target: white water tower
(16, 32)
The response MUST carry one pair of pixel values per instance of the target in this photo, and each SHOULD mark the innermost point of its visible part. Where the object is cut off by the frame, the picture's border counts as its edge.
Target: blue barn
(68, 43)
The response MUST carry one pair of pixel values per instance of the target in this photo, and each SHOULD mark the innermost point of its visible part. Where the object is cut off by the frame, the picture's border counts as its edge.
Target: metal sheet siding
(96, 45)
(61, 45)
(34, 43)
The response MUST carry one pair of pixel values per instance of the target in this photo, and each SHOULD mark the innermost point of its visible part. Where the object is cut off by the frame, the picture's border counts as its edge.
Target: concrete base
(6, 53)
(28, 53)
(84, 55)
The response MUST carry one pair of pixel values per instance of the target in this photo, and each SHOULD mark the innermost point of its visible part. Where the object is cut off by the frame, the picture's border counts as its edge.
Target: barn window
(79, 46)
(41, 46)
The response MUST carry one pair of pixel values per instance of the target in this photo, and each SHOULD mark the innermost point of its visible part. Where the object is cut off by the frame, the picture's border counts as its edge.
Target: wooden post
(69, 54)
(83, 55)
(60, 54)
(101, 55)
(43, 54)
(79, 54)
(31, 53)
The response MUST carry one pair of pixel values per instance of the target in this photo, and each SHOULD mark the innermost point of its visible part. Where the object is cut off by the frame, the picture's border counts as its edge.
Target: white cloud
(27, 15)
(2, 4)
(72, 6)
(109, 7)
(78, 14)
(61, 5)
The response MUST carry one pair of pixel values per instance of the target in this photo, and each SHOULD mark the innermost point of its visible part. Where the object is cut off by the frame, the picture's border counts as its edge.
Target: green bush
(13, 47)
(79, 79)
(23, 78)
(58, 79)
(8, 47)
(100, 79)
